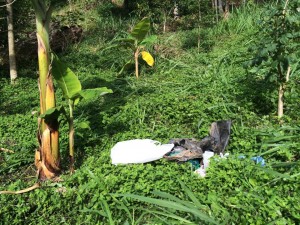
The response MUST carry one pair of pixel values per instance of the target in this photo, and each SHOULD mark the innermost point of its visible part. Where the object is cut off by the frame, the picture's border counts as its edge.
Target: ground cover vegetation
(209, 66)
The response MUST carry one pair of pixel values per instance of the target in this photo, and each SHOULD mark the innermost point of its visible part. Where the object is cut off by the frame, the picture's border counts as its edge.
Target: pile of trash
(179, 149)
(199, 152)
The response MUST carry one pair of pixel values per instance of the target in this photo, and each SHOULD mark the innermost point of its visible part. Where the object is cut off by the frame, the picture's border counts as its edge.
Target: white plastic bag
(202, 170)
(138, 151)
(206, 156)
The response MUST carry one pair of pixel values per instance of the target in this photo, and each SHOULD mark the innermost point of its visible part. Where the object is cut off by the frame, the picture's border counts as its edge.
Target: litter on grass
(189, 148)
(138, 151)
(180, 149)
(201, 171)
(257, 159)
(198, 153)
(205, 163)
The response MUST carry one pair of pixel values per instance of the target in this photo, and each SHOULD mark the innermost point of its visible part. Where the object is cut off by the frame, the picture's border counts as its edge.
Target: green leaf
(102, 213)
(149, 40)
(191, 196)
(124, 42)
(141, 29)
(76, 100)
(53, 113)
(284, 164)
(253, 70)
(173, 205)
(88, 94)
(173, 198)
(84, 125)
(170, 215)
(122, 206)
(110, 47)
(128, 65)
(274, 173)
(107, 210)
(65, 78)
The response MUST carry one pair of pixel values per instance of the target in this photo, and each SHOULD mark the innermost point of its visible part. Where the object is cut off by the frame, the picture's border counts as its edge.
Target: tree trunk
(216, 9)
(11, 42)
(226, 12)
(281, 89)
(165, 22)
(280, 92)
(117, 3)
(47, 158)
(121, 4)
(199, 25)
(280, 100)
(283, 80)
(220, 7)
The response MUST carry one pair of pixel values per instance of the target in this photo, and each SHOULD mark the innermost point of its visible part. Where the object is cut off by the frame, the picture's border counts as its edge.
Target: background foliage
(187, 90)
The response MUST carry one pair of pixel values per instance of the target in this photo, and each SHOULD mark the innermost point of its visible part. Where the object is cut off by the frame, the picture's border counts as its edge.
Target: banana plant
(47, 157)
(137, 41)
(73, 93)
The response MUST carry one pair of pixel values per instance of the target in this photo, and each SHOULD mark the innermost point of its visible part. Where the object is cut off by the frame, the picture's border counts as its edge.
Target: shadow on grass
(261, 93)
(96, 110)
(191, 40)
(20, 98)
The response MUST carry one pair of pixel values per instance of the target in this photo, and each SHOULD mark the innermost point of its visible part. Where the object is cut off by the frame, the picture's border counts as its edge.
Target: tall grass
(172, 204)
(242, 20)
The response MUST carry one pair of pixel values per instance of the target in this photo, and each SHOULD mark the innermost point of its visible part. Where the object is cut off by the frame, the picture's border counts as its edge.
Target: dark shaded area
(261, 93)
(109, 104)
(20, 98)
(191, 40)
(61, 37)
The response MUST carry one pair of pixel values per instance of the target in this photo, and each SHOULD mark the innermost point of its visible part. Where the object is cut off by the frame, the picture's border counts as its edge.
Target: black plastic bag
(189, 148)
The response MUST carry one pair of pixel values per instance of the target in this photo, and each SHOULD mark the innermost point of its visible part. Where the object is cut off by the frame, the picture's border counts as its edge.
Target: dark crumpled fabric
(190, 148)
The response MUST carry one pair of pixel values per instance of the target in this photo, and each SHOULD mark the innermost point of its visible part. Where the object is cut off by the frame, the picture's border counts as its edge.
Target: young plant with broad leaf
(73, 93)
(137, 42)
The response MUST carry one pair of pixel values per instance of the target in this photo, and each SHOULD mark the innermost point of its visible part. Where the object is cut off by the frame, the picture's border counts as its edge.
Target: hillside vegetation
(187, 89)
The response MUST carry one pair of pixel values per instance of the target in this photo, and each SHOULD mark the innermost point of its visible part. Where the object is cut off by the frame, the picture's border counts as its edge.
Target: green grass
(180, 97)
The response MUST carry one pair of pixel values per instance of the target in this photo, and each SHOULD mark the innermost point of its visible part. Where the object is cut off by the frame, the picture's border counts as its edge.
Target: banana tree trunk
(47, 158)
(71, 136)
(136, 60)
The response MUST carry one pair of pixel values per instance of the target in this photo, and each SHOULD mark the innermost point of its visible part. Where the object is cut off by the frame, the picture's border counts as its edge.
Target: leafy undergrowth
(180, 97)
